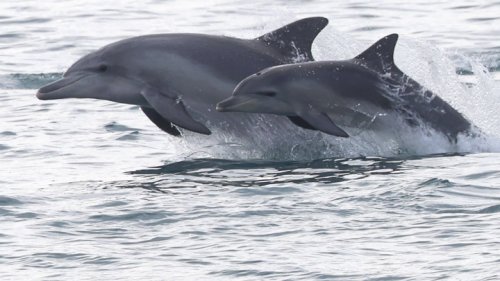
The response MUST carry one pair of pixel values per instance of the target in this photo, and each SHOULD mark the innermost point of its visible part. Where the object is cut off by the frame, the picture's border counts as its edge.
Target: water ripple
(27, 81)
(8, 201)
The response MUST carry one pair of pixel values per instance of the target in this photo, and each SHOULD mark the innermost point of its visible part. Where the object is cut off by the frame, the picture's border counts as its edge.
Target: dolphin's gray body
(328, 95)
(177, 79)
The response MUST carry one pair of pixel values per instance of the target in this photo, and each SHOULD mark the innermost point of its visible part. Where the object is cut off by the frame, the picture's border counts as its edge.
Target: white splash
(424, 62)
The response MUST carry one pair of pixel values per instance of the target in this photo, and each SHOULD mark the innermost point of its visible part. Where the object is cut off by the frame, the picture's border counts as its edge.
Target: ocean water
(91, 190)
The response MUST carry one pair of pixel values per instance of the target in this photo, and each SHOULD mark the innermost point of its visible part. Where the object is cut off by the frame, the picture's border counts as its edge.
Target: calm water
(91, 190)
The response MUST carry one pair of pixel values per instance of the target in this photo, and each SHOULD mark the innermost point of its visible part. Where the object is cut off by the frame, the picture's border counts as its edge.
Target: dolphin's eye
(103, 68)
(266, 93)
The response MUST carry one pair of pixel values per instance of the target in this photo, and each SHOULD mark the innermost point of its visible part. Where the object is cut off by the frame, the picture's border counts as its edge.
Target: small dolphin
(177, 79)
(363, 90)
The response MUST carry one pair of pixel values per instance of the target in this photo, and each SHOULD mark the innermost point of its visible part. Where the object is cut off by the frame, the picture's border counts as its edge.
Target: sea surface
(92, 190)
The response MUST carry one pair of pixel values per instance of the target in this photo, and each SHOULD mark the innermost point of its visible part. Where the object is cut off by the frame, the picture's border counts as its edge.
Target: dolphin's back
(230, 57)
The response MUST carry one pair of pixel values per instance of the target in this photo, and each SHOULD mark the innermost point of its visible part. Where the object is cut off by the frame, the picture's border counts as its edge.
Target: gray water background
(91, 190)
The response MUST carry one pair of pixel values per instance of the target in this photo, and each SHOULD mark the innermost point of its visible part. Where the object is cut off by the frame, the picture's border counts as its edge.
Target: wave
(27, 81)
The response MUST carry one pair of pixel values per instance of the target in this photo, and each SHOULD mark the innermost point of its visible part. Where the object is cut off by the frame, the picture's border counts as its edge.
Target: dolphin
(177, 79)
(328, 95)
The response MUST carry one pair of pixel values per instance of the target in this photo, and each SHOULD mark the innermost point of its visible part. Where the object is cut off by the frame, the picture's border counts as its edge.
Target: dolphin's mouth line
(54, 87)
(64, 86)
(221, 108)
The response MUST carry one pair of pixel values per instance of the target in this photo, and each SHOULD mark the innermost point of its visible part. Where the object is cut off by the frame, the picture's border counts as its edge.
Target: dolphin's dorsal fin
(380, 56)
(295, 40)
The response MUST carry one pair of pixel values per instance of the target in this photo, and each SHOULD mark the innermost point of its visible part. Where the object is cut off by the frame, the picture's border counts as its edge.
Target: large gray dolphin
(177, 79)
(327, 95)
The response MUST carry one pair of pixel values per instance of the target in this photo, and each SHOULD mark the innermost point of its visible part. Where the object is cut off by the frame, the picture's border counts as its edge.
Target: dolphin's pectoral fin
(301, 122)
(161, 122)
(173, 110)
(295, 40)
(322, 122)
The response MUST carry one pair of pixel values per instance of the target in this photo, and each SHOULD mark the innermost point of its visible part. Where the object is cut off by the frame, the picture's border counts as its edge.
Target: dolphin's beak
(58, 89)
(236, 103)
